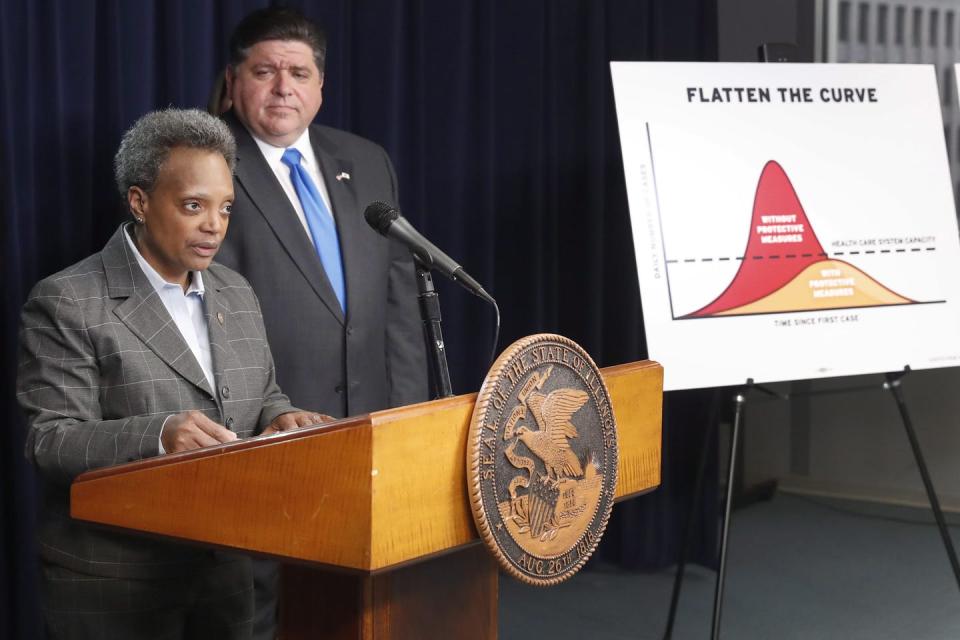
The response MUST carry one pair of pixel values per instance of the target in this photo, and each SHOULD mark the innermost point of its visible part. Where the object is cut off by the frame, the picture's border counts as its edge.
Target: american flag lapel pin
(343, 175)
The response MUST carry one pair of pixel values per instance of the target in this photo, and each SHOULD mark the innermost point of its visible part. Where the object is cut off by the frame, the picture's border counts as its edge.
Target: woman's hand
(294, 420)
(192, 430)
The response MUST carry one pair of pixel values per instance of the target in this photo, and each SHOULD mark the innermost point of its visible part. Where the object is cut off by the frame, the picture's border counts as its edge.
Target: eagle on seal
(550, 443)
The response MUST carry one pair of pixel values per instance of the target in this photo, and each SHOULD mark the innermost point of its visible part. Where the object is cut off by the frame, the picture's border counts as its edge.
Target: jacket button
(349, 331)
(229, 423)
(338, 388)
(225, 391)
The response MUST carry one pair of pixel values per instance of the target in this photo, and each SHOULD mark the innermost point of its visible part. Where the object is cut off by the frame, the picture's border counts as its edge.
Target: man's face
(277, 90)
(186, 215)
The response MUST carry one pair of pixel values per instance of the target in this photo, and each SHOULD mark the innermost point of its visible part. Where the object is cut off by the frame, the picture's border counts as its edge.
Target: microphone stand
(430, 313)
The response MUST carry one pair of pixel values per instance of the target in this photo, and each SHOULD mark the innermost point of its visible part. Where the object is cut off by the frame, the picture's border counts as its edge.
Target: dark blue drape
(498, 115)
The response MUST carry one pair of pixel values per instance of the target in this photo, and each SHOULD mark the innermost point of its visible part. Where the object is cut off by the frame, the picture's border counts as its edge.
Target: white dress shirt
(274, 157)
(186, 309)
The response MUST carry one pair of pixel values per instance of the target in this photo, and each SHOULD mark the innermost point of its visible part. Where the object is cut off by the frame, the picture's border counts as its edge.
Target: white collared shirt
(274, 157)
(186, 309)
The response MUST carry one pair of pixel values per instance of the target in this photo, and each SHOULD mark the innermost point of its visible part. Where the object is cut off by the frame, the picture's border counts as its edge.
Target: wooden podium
(370, 514)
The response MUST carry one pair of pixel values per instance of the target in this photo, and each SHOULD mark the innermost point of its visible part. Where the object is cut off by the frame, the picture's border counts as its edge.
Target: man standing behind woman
(144, 348)
(339, 300)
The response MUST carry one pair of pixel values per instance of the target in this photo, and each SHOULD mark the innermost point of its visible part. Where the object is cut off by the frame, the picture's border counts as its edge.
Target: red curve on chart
(766, 266)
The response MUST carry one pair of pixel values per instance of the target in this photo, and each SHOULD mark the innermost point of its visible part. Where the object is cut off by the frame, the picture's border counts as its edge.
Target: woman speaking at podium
(147, 347)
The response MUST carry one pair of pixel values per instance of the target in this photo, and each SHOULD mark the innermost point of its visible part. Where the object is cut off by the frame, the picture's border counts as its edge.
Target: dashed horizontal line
(792, 256)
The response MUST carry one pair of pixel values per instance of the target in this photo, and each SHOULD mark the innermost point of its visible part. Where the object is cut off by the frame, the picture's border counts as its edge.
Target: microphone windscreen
(380, 216)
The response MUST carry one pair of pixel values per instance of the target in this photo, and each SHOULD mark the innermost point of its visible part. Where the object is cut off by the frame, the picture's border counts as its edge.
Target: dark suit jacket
(102, 365)
(375, 357)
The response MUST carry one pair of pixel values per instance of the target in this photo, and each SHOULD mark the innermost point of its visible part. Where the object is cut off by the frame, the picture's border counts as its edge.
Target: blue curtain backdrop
(498, 115)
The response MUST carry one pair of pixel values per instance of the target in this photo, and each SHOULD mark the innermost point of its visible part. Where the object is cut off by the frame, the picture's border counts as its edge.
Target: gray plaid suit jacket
(102, 365)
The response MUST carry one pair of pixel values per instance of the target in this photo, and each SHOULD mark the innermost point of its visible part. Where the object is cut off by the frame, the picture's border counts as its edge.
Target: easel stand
(893, 386)
(739, 400)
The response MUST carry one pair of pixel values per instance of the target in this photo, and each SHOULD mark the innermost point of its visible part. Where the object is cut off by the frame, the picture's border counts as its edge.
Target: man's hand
(192, 430)
(294, 420)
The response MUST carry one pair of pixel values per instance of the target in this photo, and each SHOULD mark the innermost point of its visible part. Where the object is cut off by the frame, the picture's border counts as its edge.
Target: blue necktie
(323, 230)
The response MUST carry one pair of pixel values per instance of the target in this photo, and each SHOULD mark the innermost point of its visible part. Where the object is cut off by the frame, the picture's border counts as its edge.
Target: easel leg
(893, 385)
(740, 400)
(712, 428)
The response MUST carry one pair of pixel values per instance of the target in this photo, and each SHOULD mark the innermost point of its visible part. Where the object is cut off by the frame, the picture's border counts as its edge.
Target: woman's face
(186, 215)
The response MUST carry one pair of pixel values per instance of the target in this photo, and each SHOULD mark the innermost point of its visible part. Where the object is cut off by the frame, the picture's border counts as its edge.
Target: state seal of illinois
(542, 459)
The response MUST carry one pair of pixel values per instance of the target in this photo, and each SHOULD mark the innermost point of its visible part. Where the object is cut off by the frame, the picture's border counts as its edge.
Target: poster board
(790, 221)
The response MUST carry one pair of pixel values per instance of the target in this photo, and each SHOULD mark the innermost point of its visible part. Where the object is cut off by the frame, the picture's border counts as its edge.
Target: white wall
(854, 444)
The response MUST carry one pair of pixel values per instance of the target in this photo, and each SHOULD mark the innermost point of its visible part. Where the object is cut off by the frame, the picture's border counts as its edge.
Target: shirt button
(225, 391)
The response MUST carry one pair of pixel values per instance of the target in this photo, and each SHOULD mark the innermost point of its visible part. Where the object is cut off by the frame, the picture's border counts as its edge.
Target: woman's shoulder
(79, 280)
(233, 290)
(223, 277)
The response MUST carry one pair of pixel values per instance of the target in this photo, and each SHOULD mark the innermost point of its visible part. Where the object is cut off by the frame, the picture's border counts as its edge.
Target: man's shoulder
(343, 140)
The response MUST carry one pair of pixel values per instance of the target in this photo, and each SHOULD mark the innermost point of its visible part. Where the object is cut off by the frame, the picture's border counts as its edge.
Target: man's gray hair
(147, 144)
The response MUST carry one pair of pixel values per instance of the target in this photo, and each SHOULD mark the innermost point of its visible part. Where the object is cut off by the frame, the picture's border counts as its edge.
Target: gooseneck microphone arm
(387, 221)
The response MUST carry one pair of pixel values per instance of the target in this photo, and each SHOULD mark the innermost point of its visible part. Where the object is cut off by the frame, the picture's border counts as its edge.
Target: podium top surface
(366, 493)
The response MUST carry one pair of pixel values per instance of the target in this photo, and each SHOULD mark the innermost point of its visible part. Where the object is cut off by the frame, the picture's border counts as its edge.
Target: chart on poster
(790, 221)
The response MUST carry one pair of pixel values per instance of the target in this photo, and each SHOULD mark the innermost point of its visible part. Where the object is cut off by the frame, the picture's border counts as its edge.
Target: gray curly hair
(146, 145)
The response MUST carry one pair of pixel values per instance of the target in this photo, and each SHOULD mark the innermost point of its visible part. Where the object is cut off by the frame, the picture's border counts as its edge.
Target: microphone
(388, 222)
